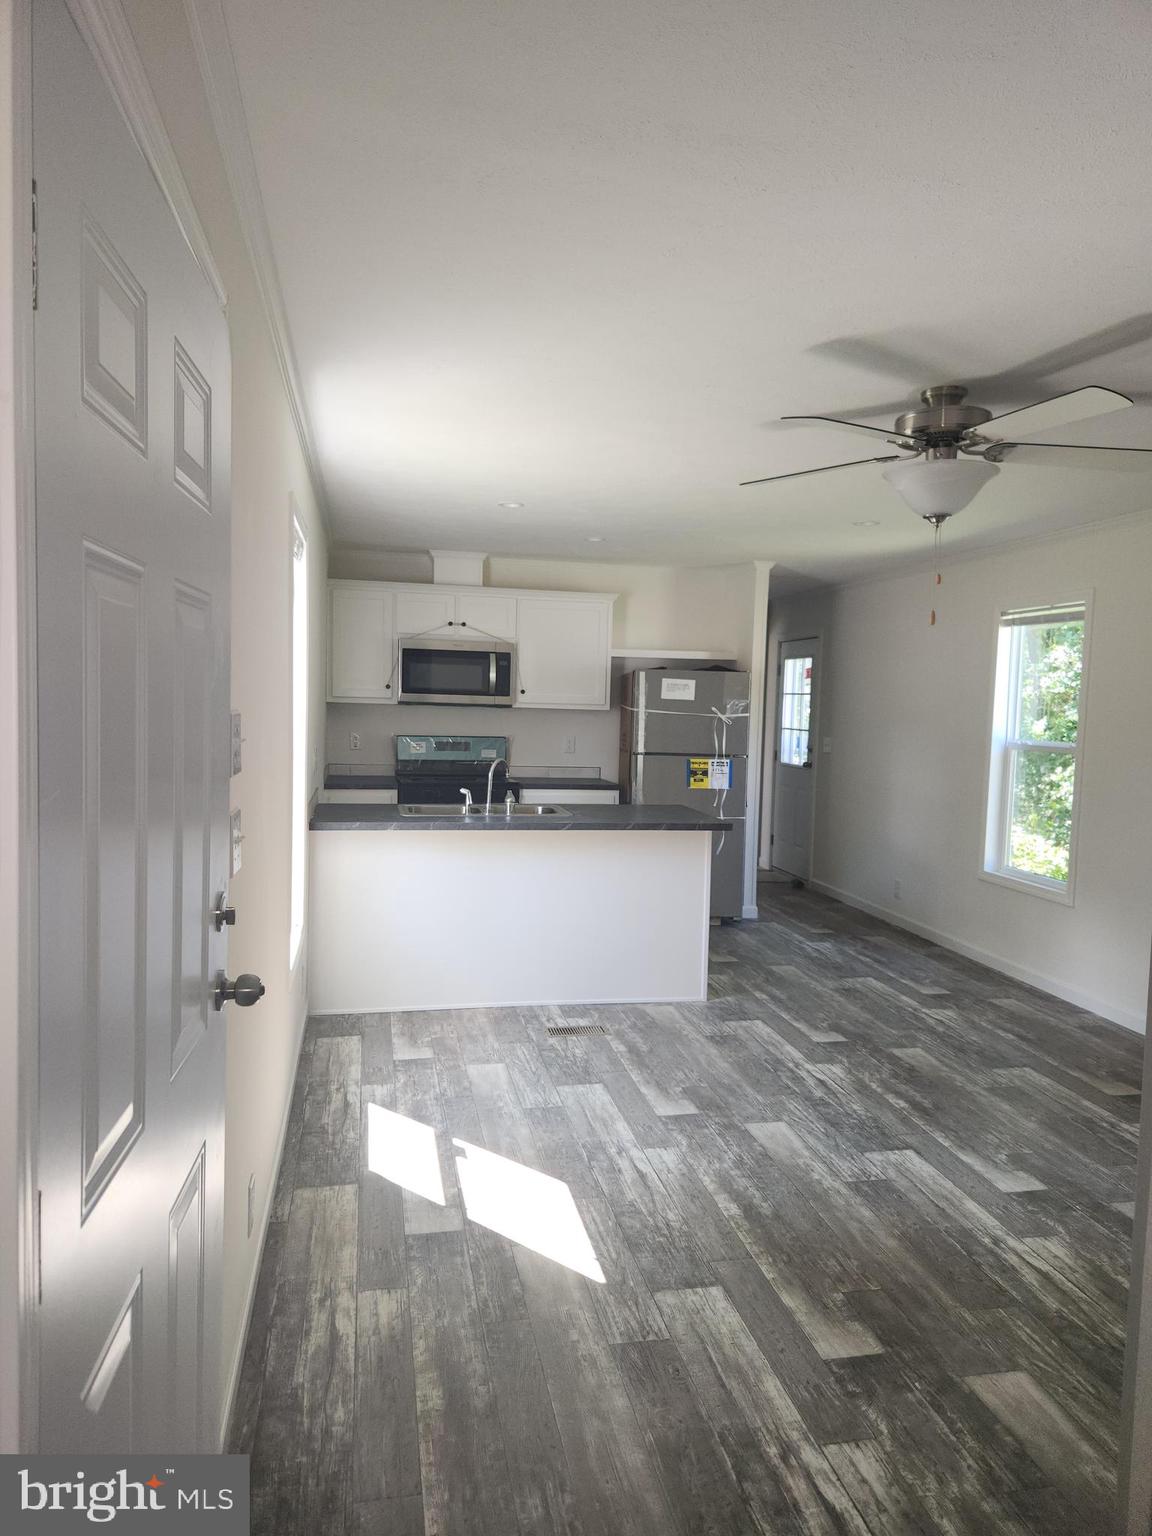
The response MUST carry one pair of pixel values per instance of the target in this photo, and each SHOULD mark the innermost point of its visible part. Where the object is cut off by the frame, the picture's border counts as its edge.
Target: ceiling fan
(954, 449)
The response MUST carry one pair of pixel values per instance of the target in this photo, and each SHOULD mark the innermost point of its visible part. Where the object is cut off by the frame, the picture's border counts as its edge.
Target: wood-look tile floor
(864, 1220)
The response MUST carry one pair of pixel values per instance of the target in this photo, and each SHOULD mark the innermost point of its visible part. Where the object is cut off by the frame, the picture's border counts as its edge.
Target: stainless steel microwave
(455, 672)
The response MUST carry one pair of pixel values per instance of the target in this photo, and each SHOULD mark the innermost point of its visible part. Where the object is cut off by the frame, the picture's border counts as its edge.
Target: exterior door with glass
(793, 798)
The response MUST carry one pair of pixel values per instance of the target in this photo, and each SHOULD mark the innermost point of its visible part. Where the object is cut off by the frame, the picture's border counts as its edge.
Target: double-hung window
(1034, 773)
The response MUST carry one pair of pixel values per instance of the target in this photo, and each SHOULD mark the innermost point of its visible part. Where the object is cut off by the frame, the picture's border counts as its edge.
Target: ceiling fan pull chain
(936, 552)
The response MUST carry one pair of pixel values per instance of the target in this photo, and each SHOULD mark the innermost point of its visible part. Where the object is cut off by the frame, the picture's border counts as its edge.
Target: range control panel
(450, 749)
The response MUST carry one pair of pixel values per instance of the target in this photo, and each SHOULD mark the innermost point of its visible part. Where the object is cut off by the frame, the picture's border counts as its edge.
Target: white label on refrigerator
(677, 687)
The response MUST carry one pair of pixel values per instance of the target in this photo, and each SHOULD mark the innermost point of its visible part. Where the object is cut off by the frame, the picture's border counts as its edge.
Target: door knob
(244, 991)
(222, 914)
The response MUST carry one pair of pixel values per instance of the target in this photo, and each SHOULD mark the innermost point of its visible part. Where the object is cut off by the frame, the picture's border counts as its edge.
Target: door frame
(817, 642)
(19, 1012)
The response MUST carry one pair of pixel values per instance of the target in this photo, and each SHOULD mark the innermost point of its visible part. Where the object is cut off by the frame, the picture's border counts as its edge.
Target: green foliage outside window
(1043, 782)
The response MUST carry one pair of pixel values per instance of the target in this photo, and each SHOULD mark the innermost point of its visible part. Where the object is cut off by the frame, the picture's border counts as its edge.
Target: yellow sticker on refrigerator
(709, 773)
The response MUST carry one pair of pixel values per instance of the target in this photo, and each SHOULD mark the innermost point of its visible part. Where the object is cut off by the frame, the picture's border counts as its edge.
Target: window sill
(1063, 897)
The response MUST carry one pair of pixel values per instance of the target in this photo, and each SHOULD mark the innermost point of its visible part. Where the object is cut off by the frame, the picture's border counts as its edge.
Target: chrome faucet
(467, 793)
(496, 761)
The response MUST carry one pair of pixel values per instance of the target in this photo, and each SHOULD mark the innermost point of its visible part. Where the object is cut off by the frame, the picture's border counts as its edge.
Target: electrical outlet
(251, 1205)
(569, 744)
(354, 741)
(896, 889)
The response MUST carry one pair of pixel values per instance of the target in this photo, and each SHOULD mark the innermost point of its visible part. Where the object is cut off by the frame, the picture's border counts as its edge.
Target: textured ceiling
(581, 256)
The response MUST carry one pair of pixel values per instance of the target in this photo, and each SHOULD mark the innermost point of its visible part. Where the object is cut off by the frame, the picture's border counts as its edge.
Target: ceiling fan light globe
(940, 487)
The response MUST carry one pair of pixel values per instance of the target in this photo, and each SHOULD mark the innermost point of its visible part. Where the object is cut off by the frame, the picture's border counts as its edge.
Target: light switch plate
(236, 741)
(236, 838)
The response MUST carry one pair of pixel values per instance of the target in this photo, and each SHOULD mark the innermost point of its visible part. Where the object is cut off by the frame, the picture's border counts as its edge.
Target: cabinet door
(418, 613)
(563, 653)
(493, 618)
(360, 644)
(570, 797)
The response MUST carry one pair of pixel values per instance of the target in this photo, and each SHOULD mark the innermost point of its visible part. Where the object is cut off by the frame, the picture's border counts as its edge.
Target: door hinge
(771, 838)
(35, 250)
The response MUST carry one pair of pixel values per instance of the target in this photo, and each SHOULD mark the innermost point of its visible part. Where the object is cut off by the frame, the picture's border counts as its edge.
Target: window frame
(299, 726)
(1003, 745)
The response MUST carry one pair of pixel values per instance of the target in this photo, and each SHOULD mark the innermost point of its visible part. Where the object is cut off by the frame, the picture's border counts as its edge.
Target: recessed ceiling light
(510, 504)
(867, 522)
(595, 538)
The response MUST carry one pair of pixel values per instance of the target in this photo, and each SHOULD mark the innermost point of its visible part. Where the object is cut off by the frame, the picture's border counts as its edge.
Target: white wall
(901, 796)
(537, 736)
(268, 470)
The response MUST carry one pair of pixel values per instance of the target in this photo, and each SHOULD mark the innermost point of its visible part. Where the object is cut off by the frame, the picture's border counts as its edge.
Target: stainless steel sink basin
(497, 813)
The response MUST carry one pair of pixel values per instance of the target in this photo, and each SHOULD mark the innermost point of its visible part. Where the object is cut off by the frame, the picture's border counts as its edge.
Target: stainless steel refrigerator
(684, 741)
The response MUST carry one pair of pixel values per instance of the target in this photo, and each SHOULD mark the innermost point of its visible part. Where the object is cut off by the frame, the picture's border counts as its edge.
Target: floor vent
(576, 1029)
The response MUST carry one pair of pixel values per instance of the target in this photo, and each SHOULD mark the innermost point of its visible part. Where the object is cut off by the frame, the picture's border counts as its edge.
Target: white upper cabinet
(422, 613)
(361, 642)
(490, 614)
(563, 640)
(563, 652)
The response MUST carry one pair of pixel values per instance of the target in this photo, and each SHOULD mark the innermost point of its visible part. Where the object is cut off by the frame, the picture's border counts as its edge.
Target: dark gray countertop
(527, 781)
(580, 818)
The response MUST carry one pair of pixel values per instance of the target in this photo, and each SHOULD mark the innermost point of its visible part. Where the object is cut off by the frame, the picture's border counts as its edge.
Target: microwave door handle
(492, 673)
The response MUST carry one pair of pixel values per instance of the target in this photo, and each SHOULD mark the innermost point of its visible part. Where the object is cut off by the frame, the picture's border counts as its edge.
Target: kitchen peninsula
(418, 907)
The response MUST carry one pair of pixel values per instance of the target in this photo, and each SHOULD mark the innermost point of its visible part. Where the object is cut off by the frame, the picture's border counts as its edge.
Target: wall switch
(896, 889)
(235, 839)
(569, 744)
(827, 743)
(354, 741)
(251, 1204)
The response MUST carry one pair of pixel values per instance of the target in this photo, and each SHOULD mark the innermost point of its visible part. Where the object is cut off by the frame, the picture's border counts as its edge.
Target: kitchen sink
(497, 813)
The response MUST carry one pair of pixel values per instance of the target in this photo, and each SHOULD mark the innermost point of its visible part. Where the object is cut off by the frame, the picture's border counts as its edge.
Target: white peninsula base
(453, 919)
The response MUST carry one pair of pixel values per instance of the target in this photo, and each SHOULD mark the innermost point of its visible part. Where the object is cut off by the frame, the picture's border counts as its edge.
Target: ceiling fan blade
(822, 469)
(857, 426)
(1076, 456)
(1075, 405)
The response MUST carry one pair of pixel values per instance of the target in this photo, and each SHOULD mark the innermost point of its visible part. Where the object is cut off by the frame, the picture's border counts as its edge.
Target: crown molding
(209, 27)
(105, 29)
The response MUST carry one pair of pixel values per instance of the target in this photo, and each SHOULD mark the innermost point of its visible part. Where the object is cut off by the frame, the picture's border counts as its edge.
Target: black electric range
(435, 770)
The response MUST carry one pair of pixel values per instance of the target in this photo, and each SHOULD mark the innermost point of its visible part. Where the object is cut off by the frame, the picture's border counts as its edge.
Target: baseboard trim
(233, 1384)
(515, 1002)
(1134, 1021)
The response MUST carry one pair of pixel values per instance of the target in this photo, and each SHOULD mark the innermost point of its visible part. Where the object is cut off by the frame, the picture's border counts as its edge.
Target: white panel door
(361, 643)
(132, 407)
(562, 650)
(491, 616)
(422, 613)
(793, 797)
